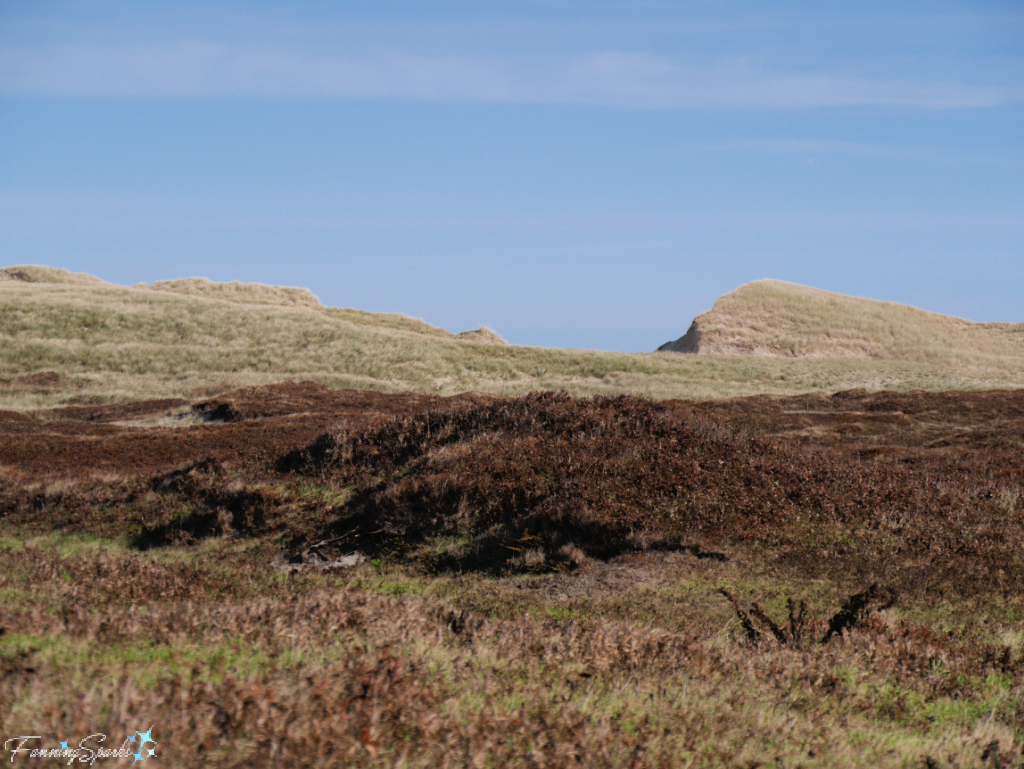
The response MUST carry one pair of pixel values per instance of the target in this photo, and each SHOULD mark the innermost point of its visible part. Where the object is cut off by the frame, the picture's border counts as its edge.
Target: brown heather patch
(307, 676)
(522, 478)
(619, 652)
(609, 474)
(546, 481)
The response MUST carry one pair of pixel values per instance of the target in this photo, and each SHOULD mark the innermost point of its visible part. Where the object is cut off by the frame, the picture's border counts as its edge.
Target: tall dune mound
(239, 293)
(37, 273)
(774, 318)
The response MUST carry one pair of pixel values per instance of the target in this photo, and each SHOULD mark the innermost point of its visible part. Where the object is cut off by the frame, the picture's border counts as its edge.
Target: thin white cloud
(19, 209)
(811, 148)
(200, 68)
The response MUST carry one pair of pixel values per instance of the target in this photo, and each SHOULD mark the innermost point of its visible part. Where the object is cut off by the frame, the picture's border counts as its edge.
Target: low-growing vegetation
(233, 664)
(543, 581)
(449, 563)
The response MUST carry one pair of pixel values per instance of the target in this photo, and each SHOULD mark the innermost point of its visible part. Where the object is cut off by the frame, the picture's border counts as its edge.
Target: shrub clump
(608, 474)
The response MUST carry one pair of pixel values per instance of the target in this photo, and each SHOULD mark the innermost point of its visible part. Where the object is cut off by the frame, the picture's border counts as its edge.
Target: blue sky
(576, 174)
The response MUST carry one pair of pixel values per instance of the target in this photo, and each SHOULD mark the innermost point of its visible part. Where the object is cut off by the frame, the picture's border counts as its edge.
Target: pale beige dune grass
(239, 293)
(773, 318)
(112, 343)
(482, 335)
(37, 273)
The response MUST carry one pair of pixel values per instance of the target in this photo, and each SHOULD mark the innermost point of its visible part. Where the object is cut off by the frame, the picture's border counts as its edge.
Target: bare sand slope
(773, 318)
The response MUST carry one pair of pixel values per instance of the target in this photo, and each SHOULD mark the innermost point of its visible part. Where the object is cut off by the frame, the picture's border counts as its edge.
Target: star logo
(144, 737)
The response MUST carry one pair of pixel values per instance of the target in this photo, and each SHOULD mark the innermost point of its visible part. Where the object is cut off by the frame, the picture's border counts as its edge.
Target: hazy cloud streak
(203, 68)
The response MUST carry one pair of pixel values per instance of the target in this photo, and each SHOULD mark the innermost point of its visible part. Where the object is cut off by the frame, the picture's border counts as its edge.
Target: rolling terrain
(289, 535)
(73, 339)
(295, 575)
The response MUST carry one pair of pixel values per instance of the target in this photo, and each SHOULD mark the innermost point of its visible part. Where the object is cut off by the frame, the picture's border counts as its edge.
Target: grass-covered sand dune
(774, 318)
(192, 337)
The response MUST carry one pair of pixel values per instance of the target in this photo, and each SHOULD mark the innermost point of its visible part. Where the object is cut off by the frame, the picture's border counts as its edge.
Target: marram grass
(111, 343)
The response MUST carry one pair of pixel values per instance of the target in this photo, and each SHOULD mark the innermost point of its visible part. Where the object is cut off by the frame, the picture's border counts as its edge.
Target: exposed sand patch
(482, 335)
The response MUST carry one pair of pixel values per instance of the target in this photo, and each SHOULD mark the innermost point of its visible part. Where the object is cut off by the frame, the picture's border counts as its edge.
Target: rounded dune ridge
(235, 291)
(57, 287)
(779, 319)
(68, 339)
(240, 293)
(37, 273)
